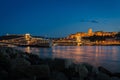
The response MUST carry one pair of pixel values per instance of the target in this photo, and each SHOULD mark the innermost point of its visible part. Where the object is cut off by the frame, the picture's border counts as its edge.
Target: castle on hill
(91, 33)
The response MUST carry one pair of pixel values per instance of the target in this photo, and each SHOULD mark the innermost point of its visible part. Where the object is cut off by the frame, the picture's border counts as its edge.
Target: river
(107, 56)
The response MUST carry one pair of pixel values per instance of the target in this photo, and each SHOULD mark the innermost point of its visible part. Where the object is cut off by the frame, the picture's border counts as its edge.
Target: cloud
(92, 21)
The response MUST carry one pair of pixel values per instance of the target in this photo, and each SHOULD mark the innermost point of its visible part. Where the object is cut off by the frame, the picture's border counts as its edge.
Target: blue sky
(58, 18)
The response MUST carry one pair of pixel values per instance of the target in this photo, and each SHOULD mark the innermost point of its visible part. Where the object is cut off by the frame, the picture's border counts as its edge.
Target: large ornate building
(91, 33)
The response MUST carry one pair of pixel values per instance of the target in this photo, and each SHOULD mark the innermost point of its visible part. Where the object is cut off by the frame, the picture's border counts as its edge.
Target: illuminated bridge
(68, 42)
(26, 40)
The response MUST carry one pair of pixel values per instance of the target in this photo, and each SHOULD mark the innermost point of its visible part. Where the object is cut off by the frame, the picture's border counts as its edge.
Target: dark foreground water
(107, 56)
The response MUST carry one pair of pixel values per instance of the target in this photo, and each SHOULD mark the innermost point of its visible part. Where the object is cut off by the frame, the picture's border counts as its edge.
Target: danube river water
(107, 56)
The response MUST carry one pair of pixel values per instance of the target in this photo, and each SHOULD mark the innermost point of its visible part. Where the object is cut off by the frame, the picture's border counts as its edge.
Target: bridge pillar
(78, 40)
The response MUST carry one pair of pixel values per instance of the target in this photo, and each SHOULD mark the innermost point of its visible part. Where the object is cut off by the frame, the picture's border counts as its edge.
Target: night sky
(58, 18)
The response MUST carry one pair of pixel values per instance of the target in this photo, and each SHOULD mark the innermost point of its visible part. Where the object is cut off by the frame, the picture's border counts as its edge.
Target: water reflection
(27, 49)
(107, 56)
(30, 50)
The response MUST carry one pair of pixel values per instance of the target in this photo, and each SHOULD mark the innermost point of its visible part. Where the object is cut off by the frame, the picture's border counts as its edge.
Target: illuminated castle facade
(91, 33)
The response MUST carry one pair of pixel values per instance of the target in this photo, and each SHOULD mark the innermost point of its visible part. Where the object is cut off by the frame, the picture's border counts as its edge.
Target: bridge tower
(27, 38)
(78, 40)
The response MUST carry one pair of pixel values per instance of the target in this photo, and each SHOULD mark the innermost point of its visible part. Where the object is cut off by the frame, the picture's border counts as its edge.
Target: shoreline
(18, 65)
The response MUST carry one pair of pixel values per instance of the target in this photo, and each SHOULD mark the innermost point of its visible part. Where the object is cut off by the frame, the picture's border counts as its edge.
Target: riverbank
(18, 65)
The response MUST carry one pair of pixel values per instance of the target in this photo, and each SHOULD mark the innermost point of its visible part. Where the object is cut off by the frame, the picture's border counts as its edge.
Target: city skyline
(58, 18)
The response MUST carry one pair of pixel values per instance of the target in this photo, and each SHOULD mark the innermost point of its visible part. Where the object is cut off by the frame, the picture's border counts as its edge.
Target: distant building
(101, 33)
(91, 33)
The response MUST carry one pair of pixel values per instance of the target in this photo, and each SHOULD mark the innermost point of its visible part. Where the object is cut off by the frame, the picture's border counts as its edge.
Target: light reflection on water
(107, 56)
